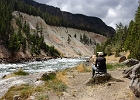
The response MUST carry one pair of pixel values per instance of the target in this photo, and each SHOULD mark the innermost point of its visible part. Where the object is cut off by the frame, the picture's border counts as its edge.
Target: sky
(112, 12)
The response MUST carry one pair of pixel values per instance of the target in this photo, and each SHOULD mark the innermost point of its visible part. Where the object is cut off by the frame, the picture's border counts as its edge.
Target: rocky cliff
(66, 40)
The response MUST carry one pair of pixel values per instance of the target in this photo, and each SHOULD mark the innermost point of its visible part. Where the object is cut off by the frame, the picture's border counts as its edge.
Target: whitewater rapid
(41, 66)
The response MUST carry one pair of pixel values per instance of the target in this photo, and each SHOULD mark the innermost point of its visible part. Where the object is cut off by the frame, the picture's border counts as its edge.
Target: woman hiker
(100, 64)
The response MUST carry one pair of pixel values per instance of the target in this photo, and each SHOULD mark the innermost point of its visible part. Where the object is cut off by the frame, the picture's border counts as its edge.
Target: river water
(41, 66)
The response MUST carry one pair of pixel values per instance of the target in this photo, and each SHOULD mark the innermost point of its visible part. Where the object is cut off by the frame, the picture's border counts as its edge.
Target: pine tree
(128, 44)
(135, 49)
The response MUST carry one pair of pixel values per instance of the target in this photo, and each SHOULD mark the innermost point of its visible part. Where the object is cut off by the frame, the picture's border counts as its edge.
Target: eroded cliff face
(65, 40)
(58, 36)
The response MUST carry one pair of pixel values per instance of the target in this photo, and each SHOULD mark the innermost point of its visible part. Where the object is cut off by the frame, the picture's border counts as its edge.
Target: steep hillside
(65, 40)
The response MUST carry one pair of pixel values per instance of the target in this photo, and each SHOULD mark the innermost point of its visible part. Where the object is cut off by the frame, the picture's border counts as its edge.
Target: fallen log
(130, 62)
(128, 72)
(135, 80)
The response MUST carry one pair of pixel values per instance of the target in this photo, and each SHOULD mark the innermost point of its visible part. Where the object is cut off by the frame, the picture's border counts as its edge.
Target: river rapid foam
(41, 66)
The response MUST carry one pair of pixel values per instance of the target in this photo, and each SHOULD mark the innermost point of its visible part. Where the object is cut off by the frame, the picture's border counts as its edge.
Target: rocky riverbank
(6, 83)
(21, 60)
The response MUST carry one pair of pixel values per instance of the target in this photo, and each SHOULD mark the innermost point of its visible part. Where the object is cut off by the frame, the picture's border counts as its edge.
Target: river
(41, 66)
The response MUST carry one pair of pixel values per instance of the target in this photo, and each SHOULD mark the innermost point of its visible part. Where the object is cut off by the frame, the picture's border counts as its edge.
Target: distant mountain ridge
(79, 21)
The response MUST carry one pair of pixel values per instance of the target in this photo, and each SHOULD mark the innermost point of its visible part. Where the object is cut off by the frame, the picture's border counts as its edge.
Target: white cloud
(65, 8)
(111, 13)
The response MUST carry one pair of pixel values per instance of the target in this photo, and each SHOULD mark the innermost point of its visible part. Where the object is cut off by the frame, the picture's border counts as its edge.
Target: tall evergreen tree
(134, 50)
(5, 20)
(129, 42)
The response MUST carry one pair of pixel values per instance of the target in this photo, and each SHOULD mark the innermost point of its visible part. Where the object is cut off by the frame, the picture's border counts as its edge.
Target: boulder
(16, 97)
(48, 75)
(122, 58)
(99, 78)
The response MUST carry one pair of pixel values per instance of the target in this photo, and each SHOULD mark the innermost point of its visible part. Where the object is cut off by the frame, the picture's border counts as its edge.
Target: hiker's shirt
(100, 63)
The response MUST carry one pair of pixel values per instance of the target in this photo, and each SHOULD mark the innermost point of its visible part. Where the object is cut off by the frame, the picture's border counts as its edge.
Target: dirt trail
(117, 89)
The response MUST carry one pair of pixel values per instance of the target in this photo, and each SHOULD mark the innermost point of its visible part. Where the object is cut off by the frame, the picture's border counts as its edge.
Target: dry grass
(23, 90)
(62, 76)
(82, 68)
(113, 59)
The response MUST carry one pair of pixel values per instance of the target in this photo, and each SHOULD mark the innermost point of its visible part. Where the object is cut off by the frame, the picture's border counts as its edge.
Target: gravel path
(117, 89)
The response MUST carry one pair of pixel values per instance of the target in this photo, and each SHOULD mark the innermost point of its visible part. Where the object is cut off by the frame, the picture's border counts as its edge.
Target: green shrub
(21, 72)
(56, 85)
(50, 76)
(114, 66)
(109, 66)
(24, 91)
